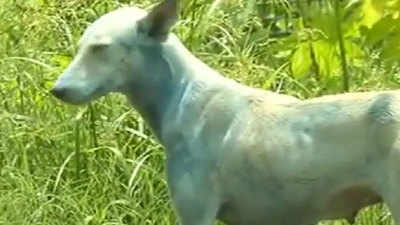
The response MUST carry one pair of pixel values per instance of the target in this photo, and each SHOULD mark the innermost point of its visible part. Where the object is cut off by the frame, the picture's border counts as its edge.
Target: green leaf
(324, 20)
(327, 58)
(353, 51)
(373, 11)
(380, 30)
(301, 60)
(391, 50)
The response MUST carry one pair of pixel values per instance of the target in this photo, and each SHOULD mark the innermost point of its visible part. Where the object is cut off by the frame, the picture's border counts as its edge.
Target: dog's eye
(99, 47)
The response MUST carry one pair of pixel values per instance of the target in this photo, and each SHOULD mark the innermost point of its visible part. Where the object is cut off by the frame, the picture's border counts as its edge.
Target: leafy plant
(331, 38)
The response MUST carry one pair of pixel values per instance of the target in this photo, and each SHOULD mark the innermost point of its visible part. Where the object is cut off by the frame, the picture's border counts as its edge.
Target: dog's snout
(58, 92)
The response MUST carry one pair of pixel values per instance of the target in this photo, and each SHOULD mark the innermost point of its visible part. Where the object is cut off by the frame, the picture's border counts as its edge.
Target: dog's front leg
(195, 209)
(193, 191)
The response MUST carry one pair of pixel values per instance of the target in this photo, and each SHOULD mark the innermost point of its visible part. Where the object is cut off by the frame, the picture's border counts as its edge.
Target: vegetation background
(99, 164)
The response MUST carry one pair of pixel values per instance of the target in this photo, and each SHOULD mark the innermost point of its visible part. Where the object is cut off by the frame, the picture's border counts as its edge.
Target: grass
(99, 164)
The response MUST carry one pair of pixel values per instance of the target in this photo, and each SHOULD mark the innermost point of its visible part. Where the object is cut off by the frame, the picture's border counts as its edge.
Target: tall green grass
(99, 164)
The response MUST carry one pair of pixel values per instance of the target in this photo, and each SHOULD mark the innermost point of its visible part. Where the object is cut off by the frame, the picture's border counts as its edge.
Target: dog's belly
(288, 206)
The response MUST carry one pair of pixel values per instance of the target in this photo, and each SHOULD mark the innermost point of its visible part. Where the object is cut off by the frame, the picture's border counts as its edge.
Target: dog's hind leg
(393, 201)
(391, 187)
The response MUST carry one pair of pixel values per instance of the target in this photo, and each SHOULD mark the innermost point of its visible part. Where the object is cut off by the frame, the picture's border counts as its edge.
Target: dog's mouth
(78, 97)
(59, 93)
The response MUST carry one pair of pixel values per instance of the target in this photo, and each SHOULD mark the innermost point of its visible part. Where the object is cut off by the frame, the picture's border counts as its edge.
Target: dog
(238, 154)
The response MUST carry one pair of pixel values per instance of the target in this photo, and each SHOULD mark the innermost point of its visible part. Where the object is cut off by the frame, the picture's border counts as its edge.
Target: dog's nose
(58, 92)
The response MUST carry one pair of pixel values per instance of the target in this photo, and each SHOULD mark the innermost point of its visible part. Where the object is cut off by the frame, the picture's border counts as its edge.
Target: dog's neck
(171, 69)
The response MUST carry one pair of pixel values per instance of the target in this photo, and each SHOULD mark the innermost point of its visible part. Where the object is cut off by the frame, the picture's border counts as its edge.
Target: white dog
(234, 153)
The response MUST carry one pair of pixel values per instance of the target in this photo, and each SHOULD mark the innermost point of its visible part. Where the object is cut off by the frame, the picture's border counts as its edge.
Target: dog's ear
(159, 21)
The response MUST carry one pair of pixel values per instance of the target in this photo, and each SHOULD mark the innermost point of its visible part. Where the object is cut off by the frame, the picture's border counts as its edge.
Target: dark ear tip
(160, 20)
(167, 7)
(174, 3)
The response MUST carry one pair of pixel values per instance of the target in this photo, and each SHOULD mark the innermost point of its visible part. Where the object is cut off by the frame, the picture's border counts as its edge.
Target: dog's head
(111, 51)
